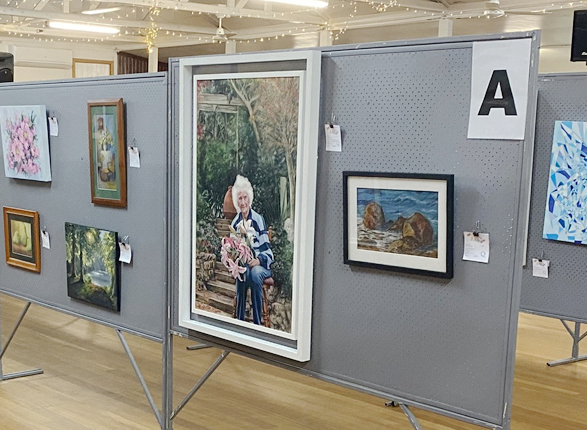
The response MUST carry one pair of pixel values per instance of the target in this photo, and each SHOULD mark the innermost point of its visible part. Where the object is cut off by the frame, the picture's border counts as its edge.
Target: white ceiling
(188, 27)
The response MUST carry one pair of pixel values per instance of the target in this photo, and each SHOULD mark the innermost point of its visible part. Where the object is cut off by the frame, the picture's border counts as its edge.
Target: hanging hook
(332, 120)
(541, 256)
(477, 228)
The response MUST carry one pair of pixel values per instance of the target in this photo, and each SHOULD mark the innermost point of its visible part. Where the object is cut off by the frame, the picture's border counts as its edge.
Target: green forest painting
(92, 265)
(247, 125)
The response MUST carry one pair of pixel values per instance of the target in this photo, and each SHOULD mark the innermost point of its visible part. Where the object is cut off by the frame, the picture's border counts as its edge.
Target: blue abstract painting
(565, 217)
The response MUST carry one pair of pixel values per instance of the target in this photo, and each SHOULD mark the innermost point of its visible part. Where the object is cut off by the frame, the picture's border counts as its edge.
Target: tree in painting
(92, 265)
(249, 127)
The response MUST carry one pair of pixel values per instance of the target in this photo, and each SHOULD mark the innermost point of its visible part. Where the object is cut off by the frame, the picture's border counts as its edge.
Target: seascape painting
(565, 218)
(92, 265)
(398, 221)
(25, 142)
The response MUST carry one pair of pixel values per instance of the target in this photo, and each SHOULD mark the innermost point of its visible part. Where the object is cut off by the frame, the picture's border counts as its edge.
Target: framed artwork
(25, 142)
(107, 152)
(565, 218)
(22, 239)
(244, 276)
(92, 265)
(399, 221)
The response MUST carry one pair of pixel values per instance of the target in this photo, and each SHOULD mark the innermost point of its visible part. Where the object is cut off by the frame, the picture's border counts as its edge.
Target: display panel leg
(407, 412)
(167, 381)
(411, 418)
(140, 377)
(5, 377)
(197, 347)
(577, 337)
(201, 382)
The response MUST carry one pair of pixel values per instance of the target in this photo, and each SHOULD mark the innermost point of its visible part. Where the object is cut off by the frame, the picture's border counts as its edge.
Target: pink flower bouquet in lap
(235, 254)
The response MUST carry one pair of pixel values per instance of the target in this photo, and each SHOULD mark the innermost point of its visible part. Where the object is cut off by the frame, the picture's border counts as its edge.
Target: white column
(445, 27)
(325, 38)
(153, 59)
(230, 47)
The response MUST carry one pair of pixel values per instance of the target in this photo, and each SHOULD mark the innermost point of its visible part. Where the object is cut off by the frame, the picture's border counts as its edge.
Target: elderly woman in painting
(259, 268)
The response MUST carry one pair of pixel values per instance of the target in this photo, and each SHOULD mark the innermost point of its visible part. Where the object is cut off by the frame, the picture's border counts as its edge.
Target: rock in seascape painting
(92, 265)
(247, 148)
(399, 221)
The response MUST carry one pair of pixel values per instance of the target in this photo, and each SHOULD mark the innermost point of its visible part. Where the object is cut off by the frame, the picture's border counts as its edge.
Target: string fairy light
(153, 30)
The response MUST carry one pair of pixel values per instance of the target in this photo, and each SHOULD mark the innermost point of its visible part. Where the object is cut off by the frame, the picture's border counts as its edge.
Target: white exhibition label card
(499, 89)
(45, 239)
(125, 252)
(134, 159)
(333, 137)
(53, 126)
(476, 247)
(540, 268)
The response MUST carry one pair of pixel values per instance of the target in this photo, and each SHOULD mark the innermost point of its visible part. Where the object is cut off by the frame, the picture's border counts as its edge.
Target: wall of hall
(36, 62)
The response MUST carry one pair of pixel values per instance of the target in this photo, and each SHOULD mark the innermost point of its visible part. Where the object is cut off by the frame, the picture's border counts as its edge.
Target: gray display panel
(561, 97)
(444, 345)
(67, 198)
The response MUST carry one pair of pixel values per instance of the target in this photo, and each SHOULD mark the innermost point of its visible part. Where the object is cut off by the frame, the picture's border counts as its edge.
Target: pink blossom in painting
(23, 152)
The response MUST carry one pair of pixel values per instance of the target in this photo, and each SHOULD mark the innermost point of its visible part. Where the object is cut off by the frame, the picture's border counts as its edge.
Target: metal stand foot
(5, 377)
(201, 382)
(197, 347)
(577, 337)
(407, 412)
(411, 418)
(140, 377)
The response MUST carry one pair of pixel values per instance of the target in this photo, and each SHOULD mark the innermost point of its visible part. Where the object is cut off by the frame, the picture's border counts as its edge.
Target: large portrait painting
(21, 239)
(565, 218)
(247, 139)
(399, 221)
(107, 152)
(248, 278)
(25, 142)
(92, 265)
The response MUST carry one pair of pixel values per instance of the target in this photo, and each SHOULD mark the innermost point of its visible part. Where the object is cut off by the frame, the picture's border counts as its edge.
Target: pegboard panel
(444, 345)
(419, 336)
(564, 294)
(67, 198)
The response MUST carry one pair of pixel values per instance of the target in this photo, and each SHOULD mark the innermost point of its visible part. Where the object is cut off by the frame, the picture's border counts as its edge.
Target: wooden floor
(89, 384)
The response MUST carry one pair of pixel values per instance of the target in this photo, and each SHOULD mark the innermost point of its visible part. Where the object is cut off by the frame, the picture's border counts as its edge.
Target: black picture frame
(412, 242)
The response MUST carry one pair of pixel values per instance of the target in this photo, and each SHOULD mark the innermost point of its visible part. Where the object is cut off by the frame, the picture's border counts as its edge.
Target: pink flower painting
(25, 143)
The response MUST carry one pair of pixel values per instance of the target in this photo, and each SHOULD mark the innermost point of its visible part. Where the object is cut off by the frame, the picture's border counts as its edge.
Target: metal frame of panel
(447, 346)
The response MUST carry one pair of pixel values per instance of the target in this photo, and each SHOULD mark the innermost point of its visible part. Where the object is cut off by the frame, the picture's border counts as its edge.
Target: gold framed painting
(107, 152)
(22, 239)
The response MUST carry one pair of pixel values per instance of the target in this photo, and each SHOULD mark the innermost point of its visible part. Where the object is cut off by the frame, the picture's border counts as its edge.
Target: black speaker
(579, 44)
(6, 67)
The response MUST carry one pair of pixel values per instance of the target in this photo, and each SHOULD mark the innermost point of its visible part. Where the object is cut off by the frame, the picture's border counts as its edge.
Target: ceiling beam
(421, 5)
(224, 10)
(71, 35)
(86, 19)
(41, 5)
(275, 30)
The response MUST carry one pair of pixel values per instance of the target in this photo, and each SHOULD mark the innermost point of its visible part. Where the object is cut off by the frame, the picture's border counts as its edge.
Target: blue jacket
(261, 246)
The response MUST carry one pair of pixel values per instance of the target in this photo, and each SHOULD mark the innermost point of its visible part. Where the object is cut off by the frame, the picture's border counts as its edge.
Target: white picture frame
(296, 343)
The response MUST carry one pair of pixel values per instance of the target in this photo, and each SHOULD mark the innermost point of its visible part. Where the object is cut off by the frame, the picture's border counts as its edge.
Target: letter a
(499, 77)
